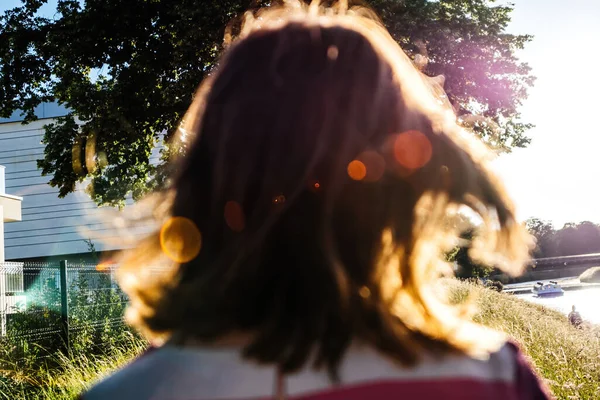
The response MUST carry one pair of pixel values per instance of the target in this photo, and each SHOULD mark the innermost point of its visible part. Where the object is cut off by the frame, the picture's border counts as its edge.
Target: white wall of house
(10, 211)
(50, 226)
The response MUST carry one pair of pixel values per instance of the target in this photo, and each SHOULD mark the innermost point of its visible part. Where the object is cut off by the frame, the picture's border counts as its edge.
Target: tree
(582, 238)
(544, 234)
(128, 70)
(467, 267)
(571, 239)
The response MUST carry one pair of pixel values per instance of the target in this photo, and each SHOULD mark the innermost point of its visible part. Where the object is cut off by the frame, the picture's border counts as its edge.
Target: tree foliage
(127, 71)
(544, 234)
(571, 239)
(467, 267)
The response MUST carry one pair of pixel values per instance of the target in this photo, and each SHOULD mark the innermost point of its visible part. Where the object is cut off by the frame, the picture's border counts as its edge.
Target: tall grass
(69, 376)
(32, 360)
(567, 358)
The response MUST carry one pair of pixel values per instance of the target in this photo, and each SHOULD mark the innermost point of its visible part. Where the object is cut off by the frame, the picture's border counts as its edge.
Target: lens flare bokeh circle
(180, 239)
(357, 170)
(412, 150)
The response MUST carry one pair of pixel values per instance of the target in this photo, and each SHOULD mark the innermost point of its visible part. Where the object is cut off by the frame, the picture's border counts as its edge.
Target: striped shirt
(173, 373)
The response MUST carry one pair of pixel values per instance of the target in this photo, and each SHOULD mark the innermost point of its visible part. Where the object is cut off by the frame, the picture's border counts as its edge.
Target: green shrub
(494, 285)
(35, 336)
(33, 353)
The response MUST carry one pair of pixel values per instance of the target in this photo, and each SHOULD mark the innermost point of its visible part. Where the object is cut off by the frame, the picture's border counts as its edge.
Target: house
(10, 210)
(50, 228)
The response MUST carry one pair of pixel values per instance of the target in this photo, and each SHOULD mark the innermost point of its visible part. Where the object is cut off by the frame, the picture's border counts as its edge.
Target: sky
(557, 177)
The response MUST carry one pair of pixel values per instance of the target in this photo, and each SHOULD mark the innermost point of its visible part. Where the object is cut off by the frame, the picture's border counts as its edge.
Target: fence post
(64, 304)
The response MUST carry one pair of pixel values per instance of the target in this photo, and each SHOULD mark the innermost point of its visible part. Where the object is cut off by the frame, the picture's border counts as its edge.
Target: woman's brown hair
(308, 212)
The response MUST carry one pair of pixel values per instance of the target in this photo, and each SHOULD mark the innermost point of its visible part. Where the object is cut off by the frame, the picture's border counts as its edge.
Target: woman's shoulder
(171, 372)
(121, 383)
(207, 374)
(505, 374)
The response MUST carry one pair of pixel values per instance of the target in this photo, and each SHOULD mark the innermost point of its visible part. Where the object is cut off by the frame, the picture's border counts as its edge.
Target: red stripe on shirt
(463, 389)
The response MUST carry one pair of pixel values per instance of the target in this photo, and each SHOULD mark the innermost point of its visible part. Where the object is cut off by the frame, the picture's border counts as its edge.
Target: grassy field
(69, 379)
(567, 358)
